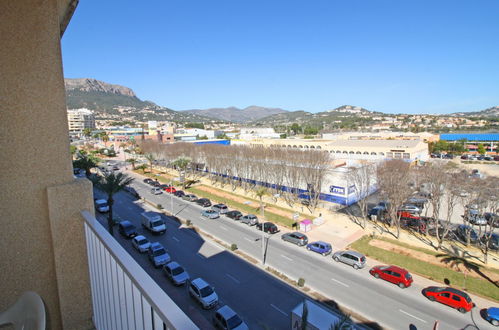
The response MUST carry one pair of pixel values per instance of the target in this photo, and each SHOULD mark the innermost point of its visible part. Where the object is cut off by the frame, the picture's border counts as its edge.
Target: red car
(169, 189)
(449, 296)
(393, 274)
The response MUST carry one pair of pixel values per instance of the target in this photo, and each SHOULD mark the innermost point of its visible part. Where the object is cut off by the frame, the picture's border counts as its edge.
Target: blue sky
(391, 56)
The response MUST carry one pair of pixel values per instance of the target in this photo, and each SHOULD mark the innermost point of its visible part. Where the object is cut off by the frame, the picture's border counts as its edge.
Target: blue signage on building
(337, 190)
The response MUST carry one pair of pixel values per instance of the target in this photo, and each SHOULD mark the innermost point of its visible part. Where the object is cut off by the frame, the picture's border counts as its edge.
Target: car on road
(410, 208)
(179, 193)
(295, 238)
(492, 219)
(148, 180)
(236, 215)
(492, 315)
(158, 255)
(190, 197)
(450, 297)
(493, 239)
(249, 219)
(141, 244)
(393, 274)
(204, 202)
(176, 273)
(169, 189)
(210, 214)
(320, 247)
(462, 233)
(101, 205)
(156, 191)
(200, 290)
(220, 208)
(127, 229)
(225, 318)
(268, 227)
(355, 259)
(475, 218)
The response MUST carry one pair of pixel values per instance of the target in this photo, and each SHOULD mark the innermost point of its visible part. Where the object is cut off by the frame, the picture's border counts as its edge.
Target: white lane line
(285, 257)
(279, 310)
(417, 318)
(224, 228)
(176, 239)
(341, 283)
(232, 278)
(249, 239)
(201, 256)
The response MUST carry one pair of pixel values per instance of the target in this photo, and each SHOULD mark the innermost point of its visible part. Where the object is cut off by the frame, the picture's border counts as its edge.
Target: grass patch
(242, 207)
(409, 246)
(475, 285)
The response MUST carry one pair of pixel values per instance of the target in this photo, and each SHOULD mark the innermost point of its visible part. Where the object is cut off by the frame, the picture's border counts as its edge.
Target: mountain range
(120, 103)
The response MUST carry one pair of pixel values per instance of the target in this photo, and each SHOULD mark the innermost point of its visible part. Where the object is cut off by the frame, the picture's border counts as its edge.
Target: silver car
(226, 318)
(203, 293)
(176, 273)
(295, 238)
(220, 208)
(141, 244)
(355, 259)
(249, 219)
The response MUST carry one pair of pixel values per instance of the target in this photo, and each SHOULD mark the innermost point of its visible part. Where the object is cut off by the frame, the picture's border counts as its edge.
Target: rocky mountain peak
(94, 85)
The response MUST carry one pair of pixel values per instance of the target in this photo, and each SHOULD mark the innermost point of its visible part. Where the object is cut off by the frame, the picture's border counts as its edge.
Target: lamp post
(171, 197)
(263, 232)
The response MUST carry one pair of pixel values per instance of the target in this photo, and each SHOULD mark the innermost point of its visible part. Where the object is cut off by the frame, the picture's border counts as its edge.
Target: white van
(153, 222)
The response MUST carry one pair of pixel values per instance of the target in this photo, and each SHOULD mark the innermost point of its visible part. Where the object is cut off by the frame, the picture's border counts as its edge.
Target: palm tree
(456, 260)
(150, 158)
(111, 184)
(86, 162)
(181, 164)
(132, 161)
(260, 192)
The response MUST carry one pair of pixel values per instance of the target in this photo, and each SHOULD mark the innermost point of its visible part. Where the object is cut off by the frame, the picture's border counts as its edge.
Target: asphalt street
(261, 299)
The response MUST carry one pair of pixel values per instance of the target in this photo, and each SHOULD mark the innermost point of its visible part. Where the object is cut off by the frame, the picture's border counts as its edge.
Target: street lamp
(171, 197)
(263, 232)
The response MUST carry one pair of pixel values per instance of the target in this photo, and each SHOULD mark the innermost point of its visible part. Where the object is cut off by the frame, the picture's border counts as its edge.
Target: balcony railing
(124, 296)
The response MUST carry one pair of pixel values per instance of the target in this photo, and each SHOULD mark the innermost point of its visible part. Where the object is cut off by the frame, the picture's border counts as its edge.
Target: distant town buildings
(79, 120)
(249, 133)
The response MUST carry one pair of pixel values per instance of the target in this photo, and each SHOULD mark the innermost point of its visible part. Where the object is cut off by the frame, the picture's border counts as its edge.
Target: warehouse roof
(470, 137)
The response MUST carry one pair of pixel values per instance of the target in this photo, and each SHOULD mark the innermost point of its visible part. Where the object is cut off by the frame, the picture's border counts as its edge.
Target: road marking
(201, 256)
(249, 239)
(176, 239)
(232, 278)
(417, 318)
(279, 310)
(224, 228)
(341, 283)
(285, 257)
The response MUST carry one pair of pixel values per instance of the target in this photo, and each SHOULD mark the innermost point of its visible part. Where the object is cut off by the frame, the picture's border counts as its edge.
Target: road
(259, 297)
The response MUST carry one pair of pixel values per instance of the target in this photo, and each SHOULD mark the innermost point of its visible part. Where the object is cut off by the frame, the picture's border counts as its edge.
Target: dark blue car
(320, 247)
(492, 315)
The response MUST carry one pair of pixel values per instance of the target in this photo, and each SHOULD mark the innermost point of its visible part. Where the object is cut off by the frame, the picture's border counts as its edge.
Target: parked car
(449, 296)
(295, 238)
(461, 233)
(155, 183)
(320, 247)
(200, 290)
(148, 180)
(220, 208)
(141, 244)
(418, 201)
(355, 259)
(170, 189)
(101, 205)
(156, 191)
(204, 202)
(492, 315)
(475, 218)
(127, 229)
(268, 227)
(410, 208)
(179, 193)
(210, 214)
(393, 274)
(157, 255)
(493, 240)
(190, 197)
(153, 222)
(249, 219)
(132, 191)
(496, 158)
(413, 222)
(225, 318)
(450, 235)
(236, 215)
(176, 273)
(492, 219)
(488, 158)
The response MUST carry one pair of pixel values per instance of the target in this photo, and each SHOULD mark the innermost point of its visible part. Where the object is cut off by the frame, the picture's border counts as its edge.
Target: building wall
(41, 242)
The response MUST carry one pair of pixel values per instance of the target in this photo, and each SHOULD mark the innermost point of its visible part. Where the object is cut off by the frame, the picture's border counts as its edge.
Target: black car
(461, 233)
(450, 235)
(205, 202)
(179, 193)
(127, 229)
(492, 219)
(132, 191)
(268, 227)
(236, 215)
(148, 181)
(493, 240)
(155, 183)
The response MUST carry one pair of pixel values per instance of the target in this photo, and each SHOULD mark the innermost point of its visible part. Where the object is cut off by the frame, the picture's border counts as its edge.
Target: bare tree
(363, 180)
(393, 177)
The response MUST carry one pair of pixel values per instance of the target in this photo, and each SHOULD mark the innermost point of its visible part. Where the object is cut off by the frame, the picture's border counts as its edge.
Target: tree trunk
(110, 222)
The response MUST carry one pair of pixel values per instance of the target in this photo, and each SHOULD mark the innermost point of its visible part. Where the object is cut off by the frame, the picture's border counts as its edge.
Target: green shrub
(301, 282)
(188, 223)
(233, 247)
(159, 206)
